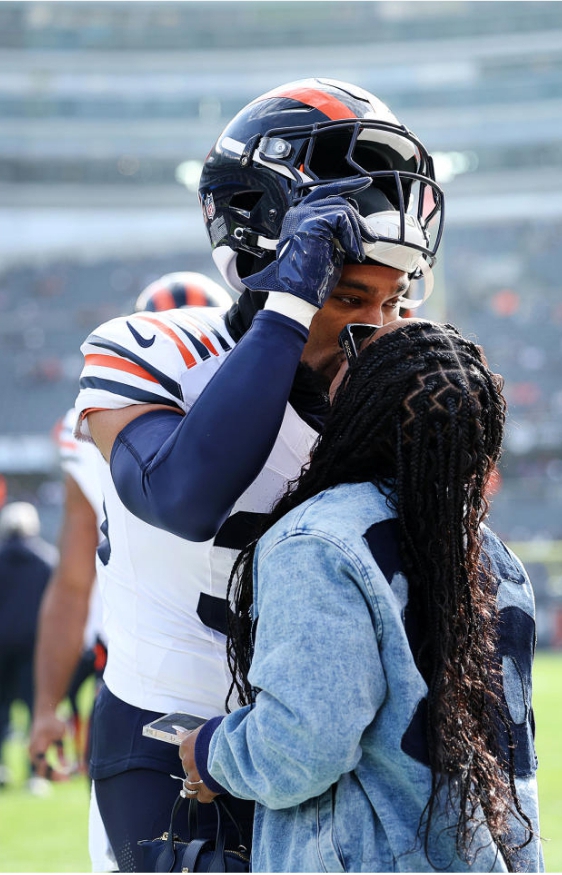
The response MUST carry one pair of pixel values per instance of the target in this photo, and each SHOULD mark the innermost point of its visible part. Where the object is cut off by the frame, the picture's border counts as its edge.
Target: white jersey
(81, 460)
(161, 656)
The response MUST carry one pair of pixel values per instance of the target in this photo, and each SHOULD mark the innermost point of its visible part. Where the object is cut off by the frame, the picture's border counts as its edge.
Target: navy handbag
(170, 853)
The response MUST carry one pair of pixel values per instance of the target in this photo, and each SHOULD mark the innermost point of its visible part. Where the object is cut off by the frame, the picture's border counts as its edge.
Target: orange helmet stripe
(327, 104)
(163, 299)
(195, 296)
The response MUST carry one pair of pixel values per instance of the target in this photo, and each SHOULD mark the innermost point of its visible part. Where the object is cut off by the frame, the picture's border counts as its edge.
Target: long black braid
(421, 415)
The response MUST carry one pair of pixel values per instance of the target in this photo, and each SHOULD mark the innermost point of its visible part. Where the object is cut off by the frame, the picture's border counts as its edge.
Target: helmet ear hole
(243, 202)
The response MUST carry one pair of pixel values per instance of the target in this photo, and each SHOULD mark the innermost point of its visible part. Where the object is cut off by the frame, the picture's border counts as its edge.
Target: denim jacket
(333, 750)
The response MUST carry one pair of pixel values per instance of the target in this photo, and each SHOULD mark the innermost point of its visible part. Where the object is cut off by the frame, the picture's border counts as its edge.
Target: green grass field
(50, 834)
(547, 702)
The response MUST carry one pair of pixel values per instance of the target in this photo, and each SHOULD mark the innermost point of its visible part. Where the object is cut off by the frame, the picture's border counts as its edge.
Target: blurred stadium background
(106, 111)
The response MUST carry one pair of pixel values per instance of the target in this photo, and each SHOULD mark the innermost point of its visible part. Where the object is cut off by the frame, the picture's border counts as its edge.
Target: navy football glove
(317, 235)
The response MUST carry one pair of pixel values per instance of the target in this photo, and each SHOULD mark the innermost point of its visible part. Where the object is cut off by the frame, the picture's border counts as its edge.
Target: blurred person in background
(26, 564)
(317, 202)
(70, 628)
(71, 617)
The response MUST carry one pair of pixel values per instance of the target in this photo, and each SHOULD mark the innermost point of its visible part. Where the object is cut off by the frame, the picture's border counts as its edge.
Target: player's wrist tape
(291, 306)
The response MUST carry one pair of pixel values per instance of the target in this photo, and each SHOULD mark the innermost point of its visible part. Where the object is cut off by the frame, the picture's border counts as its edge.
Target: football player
(71, 611)
(318, 205)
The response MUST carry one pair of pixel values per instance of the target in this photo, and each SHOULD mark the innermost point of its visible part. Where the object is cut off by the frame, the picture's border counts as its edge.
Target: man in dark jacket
(26, 563)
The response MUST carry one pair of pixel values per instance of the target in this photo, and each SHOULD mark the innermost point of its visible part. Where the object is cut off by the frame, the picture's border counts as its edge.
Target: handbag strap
(221, 808)
(192, 819)
(170, 837)
(191, 855)
(217, 860)
(196, 845)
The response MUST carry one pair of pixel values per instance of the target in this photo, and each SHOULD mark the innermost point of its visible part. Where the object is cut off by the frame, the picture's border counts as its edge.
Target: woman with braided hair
(382, 635)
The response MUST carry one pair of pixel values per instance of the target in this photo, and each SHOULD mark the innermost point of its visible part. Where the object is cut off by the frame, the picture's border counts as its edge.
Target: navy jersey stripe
(166, 382)
(200, 348)
(209, 329)
(127, 391)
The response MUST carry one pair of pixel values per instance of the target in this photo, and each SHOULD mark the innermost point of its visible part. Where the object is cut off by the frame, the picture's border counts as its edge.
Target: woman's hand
(193, 786)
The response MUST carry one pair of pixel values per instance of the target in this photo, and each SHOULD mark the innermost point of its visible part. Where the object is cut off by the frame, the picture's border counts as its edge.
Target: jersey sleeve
(80, 461)
(144, 359)
(66, 443)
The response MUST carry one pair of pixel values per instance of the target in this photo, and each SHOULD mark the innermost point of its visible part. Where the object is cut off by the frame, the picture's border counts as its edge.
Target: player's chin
(315, 373)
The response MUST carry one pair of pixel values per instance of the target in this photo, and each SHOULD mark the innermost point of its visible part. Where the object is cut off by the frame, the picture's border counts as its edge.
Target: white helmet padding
(225, 261)
(397, 246)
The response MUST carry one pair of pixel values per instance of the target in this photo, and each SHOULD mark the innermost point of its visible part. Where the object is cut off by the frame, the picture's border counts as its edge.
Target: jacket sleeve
(317, 667)
(184, 475)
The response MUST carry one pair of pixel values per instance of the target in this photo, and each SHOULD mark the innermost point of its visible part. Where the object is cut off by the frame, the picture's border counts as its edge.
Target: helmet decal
(326, 103)
(210, 208)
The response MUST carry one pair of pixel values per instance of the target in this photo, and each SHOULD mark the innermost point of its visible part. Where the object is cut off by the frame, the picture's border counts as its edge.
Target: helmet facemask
(389, 155)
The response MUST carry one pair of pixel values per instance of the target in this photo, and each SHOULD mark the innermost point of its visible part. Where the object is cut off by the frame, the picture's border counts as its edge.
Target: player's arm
(184, 474)
(63, 617)
(105, 425)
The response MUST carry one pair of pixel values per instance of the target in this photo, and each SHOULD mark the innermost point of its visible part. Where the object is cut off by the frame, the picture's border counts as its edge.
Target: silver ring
(193, 783)
(184, 792)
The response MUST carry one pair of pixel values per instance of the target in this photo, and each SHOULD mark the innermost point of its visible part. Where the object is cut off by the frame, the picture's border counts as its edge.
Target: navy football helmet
(300, 135)
(182, 289)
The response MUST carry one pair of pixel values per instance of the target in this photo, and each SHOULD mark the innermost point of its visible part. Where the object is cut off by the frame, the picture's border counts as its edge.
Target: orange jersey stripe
(109, 361)
(68, 445)
(202, 337)
(331, 106)
(183, 350)
(88, 410)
